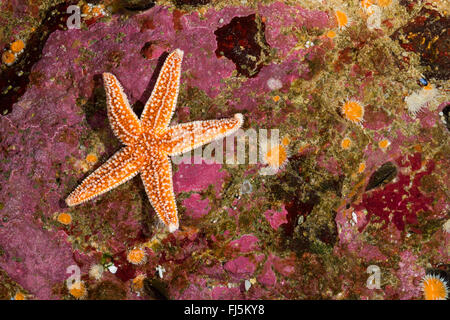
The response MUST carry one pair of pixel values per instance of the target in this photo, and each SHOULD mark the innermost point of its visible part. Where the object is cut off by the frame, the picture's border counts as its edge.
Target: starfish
(149, 141)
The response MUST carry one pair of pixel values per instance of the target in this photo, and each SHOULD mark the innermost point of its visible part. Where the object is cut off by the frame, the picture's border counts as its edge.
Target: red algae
(276, 218)
(240, 267)
(401, 199)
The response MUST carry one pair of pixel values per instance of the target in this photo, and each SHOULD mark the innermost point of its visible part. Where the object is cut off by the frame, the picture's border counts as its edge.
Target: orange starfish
(150, 141)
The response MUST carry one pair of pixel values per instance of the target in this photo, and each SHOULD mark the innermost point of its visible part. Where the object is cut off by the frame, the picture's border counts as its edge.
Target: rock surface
(309, 230)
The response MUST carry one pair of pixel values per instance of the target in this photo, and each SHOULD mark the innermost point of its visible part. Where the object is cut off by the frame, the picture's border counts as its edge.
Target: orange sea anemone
(17, 46)
(85, 9)
(346, 143)
(276, 156)
(19, 296)
(91, 158)
(434, 287)
(8, 58)
(383, 144)
(64, 218)
(362, 167)
(384, 3)
(331, 34)
(136, 256)
(342, 19)
(365, 4)
(137, 284)
(78, 290)
(353, 110)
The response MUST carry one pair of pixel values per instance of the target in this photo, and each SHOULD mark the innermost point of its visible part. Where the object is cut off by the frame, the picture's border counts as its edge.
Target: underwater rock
(195, 207)
(428, 35)
(240, 267)
(193, 3)
(107, 290)
(137, 5)
(309, 231)
(401, 201)
(245, 244)
(243, 42)
(276, 218)
(14, 79)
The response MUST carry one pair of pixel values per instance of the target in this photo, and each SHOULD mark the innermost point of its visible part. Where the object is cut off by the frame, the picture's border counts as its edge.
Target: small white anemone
(274, 84)
(96, 271)
(419, 99)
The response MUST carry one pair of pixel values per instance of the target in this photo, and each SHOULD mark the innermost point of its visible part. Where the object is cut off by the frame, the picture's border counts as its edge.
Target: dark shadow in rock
(446, 116)
(137, 5)
(243, 41)
(155, 289)
(138, 107)
(192, 3)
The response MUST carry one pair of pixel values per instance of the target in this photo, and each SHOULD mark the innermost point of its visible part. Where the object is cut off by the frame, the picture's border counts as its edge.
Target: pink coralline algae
(197, 177)
(276, 218)
(37, 149)
(410, 276)
(240, 267)
(225, 293)
(278, 16)
(267, 276)
(194, 291)
(35, 258)
(195, 207)
(284, 266)
(352, 241)
(245, 244)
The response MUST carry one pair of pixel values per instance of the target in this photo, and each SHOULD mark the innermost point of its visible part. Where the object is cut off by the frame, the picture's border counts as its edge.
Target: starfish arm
(122, 119)
(157, 178)
(121, 167)
(187, 136)
(159, 108)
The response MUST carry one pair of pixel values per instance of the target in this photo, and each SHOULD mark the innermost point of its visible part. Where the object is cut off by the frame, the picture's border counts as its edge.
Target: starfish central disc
(149, 141)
